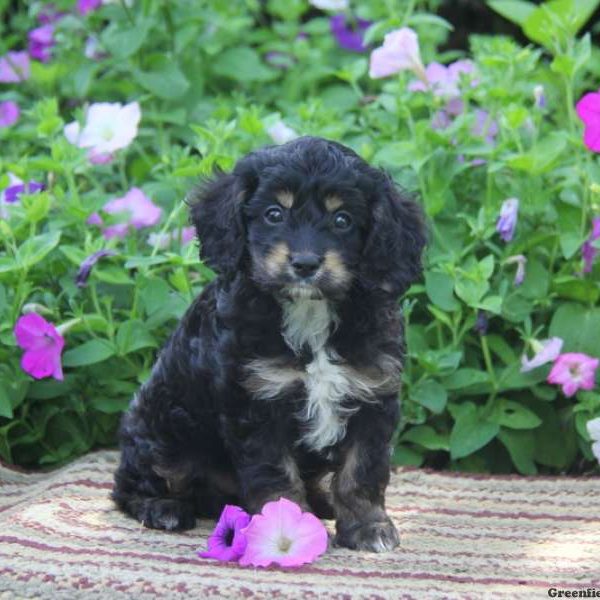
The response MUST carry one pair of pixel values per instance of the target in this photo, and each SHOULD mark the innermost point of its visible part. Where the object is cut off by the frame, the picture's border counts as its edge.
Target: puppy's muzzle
(305, 265)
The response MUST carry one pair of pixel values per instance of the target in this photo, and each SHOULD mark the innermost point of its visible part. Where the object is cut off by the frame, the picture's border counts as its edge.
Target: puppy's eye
(342, 220)
(274, 215)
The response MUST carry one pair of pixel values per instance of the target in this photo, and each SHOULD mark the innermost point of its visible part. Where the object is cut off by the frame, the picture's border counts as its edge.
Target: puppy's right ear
(216, 211)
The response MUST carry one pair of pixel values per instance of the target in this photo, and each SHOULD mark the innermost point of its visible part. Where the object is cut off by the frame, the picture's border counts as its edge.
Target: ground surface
(463, 536)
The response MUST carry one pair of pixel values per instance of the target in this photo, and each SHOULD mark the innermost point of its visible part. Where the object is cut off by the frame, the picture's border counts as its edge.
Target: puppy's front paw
(372, 536)
(167, 513)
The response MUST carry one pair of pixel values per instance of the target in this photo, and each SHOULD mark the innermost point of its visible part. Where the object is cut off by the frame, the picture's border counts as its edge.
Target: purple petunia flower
(14, 67)
(9, 113)
(43, 346)
(86, 266)
(481, 323)
(539, 97)
(48, 14)
(507, 221)
(41, 40)
(588, 251)
(485, 126)
(13, 192)
(227, 541)
(164, 240)
(349, 35)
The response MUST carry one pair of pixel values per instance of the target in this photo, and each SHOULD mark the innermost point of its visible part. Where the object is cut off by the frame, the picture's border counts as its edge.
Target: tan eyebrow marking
(333, 203)
(285, 198)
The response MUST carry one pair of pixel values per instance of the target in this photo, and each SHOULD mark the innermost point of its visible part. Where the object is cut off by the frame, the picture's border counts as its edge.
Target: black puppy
(286, 368)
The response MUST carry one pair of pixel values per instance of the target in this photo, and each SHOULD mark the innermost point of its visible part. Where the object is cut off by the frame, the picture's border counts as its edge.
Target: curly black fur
(277, 376)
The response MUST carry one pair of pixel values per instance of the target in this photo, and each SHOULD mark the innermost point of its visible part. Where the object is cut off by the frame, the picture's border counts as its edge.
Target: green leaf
(521, 447)
(242, 64)
(555, 438)
(439, 287)
(89, 353)
(516, 11)
(578, 326)
(426, 436)
(110, 405)
(165, 81)
(5, 403)
(33, 250)
(132, 336)
(122, 43)
(466, 378)
(406, 456)
(470, 433)
(430, 394)
(514, 415)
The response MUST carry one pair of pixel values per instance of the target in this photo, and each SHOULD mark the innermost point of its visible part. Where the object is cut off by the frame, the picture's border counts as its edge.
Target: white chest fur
(327, 381)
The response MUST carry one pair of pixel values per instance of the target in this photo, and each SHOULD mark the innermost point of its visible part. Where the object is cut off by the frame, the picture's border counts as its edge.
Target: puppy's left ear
(392, 255)
(216, 211)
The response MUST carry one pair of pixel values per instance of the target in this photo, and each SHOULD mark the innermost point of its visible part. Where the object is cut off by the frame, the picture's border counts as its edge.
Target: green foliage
(211, 78)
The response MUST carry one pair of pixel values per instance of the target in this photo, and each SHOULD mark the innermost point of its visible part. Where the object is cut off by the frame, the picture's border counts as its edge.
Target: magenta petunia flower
(399, 52)
(545, 351)
(227, 541)
(15, 67)
(588, 110)
(42, 344)
(588, 251)
(41, 40)
(507, 221)
(86, 6)
(86, 266)
(284, 535)
(349, 35)
(9, 113)
(574, 371)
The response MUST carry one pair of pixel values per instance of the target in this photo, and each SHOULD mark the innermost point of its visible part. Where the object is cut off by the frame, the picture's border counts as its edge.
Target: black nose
(305, 265)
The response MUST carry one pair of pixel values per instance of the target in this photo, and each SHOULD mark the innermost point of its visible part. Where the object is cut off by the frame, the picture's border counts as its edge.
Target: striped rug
(462, 537)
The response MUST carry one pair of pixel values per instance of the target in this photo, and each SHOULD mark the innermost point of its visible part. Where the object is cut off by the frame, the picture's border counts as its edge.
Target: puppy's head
(309, 219)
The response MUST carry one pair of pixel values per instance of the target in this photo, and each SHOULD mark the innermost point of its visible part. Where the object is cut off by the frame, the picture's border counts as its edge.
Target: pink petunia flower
(15, 67)
(588, 251)
(42, 344)
(443, 80)
(399, 52)
(593, 428)
(136, 210)
(507, 221)
(588, 110)
(164, 240)
(227, 541)
(41, 40)
(9, 113)
(545, 351)
(109, 127)
(574, 371)
(280, 133)
(284, 535)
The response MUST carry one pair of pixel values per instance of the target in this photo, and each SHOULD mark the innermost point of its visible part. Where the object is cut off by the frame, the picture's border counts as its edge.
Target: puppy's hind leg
(158, 498)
